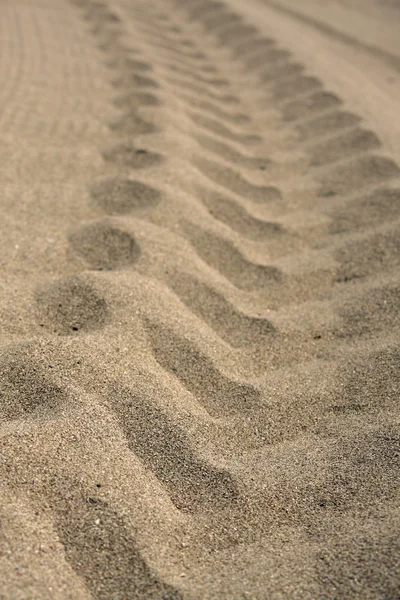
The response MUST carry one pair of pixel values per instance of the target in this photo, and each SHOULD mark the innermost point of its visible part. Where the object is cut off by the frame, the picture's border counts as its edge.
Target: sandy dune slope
(199, 308)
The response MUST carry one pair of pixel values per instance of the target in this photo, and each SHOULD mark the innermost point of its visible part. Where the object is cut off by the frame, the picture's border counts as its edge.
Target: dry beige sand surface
(199, 308)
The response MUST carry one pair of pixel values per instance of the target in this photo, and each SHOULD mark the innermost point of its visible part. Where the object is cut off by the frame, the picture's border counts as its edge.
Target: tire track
(288, 453)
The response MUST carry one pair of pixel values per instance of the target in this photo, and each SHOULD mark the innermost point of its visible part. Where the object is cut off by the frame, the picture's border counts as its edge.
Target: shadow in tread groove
(223, 131)
(219, 395)
(356, 141)
(376, 253)
(105, 555)
(176, 65)
(376, 310)
(215, 111)
(258, 47)
(221, 20)
(268, 57)
(201, 92)
(348, 564)
(234, 182)
(237, 218)
(236, 328)
(281, 72)
(295, 87)
(330, 124)
(306, 107)
(197, 10)
(229, 261)
(372, 382)
(357, 473)
(369, 170)
(236, 33)
(192, 483)
(231, 155)
(380, 206)
(186, 72)
(187, 58)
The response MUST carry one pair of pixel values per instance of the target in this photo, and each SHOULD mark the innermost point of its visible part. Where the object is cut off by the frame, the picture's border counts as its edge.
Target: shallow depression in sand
(125, 154)
(104, 246)
(119, 195)
(26, 385)
(70, 304)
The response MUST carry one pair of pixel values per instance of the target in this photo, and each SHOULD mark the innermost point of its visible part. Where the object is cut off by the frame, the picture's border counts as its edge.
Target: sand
(199, 308)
